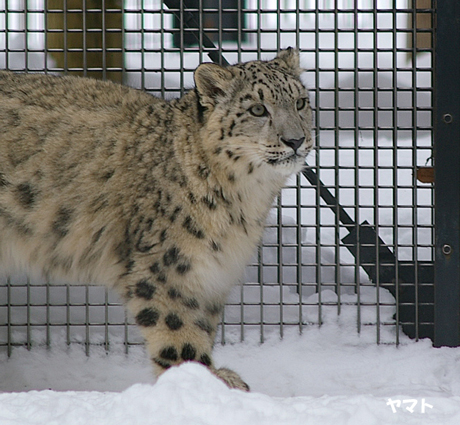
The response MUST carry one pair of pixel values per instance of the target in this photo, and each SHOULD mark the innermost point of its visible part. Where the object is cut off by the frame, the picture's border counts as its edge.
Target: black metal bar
(327, 196)
(190, 22)
(447, 174)
(381, 265)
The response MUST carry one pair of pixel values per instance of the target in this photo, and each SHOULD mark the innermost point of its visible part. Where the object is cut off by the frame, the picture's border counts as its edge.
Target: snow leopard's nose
(293, 143)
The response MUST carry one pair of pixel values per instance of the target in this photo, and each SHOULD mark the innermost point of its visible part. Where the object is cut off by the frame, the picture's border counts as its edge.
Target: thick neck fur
(243, 186)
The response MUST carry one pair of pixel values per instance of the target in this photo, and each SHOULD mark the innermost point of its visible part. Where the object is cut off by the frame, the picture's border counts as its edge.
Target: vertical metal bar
(104, 41)
(280, 260)
(447, 175)
(48, 330)
(182, 47)
(201, 27)
(68, 324)
(28, 325)
(7, 36)
(162, 50)
(433, 112)
(395, 170)
(318, 199)
(240, 34)
(106, 320)
(220, 35)
(299, 275)
(414, 165)
(279, 202)
(259, 22)
(123, 40)
(123, 47)
(242, 323)
(280, 265)
(8, 317)
(260, 275)
(26, 36)
(85, 41)
(356, 162)
(87, 320)
(278, 27)
(66, 56)
(143, 13)
(126, 328)
(222, 335)
(45, 35)
(299, 249)
(297, 26)
(336, 158)
(376, 166)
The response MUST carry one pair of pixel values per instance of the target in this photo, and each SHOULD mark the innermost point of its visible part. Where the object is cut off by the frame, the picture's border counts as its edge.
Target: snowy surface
(327, 375)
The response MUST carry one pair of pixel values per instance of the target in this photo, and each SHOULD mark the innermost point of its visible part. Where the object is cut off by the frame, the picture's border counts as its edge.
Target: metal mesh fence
(353, 237)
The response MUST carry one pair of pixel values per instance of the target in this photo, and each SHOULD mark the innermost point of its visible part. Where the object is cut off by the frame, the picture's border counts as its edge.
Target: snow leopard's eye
(258, 110)
(300, 104)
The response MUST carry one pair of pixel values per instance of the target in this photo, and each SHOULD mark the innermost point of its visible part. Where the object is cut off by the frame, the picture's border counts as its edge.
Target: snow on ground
(327, 375)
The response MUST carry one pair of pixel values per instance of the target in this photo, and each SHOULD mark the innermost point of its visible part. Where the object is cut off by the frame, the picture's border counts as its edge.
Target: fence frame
(447, 174)
(446, 116)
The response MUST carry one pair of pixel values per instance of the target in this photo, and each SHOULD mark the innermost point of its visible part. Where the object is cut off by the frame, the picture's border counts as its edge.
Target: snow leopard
(164, 201)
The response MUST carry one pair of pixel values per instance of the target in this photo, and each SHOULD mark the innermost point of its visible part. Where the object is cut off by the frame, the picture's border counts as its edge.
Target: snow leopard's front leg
(177, 326)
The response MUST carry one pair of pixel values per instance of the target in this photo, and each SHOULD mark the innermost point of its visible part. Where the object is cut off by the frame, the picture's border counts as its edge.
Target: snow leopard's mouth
(292, 158)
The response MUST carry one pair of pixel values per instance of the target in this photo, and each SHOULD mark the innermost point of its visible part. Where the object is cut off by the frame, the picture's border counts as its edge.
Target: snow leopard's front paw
(232, 379)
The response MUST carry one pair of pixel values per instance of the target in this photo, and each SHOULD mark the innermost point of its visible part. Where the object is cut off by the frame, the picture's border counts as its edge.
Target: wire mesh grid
(369, 67)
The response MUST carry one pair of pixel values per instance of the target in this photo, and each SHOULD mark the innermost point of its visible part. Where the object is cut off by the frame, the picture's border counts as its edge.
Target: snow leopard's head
(257, 113)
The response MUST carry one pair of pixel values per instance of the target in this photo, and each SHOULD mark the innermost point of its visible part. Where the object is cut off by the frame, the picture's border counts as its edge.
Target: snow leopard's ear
(212, 81)
(290, 59)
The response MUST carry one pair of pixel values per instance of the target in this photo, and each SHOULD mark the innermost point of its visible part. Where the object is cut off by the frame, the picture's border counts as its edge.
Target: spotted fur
(162, 201)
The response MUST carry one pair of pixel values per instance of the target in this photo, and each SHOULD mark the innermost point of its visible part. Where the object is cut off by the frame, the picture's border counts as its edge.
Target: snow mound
(191, 395)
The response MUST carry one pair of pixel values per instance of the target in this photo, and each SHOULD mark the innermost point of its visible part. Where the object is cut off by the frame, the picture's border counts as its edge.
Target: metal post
(447, 174)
